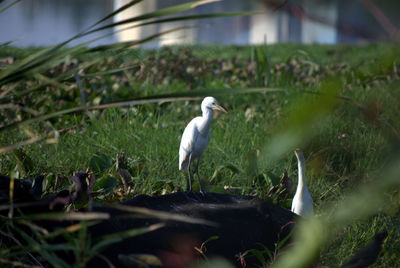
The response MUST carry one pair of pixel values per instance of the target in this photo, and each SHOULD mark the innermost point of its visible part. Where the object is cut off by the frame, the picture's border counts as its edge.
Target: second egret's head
(299, 155)
(212, 103)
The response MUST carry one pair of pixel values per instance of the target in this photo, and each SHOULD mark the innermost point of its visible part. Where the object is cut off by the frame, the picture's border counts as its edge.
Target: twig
(11, 197)
(83, 96)
(301, 13)
(19, 107)
(18, 264)
(5, 92)
(381, 17)
(24, 143)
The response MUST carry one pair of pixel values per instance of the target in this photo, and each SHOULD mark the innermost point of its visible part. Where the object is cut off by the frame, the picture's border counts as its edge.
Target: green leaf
(99, 163)
(218, 189)
(107, 183)
(219, 168)
(214, 237)
(24, 162)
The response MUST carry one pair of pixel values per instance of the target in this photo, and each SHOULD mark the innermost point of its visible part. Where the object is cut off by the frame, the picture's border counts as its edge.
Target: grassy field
(349, 146)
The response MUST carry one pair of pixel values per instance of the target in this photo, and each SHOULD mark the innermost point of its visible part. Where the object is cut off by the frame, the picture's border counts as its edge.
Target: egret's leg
(190, 179)
(197, 172)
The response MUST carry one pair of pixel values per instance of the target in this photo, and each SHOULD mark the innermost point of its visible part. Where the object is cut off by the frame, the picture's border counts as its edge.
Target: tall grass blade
(7, 43)
(43, 249)
(9, 5)
(162, 215)
(155, 14)
(76, 216)
(129, 44)
(183, 18)
(112, 71)
(71, 229)
(109, 239)
(61, 77)
(119, 10)
(181, 96)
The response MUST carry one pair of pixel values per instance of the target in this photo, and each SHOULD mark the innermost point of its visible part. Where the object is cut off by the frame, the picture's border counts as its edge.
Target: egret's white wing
(189, 136)
(188, 141)
(293, 209)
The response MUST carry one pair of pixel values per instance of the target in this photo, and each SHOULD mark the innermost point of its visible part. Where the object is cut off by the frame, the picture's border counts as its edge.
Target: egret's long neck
(302, 173)
(207, 119)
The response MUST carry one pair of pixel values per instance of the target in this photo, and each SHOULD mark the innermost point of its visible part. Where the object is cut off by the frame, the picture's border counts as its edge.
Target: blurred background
(47, 22)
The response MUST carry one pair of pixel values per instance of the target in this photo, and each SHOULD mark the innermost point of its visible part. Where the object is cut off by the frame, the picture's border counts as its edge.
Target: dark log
(240, 222)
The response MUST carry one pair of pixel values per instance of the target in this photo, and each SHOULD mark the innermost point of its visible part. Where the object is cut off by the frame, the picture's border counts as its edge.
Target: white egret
(196, 136)
(302, 203)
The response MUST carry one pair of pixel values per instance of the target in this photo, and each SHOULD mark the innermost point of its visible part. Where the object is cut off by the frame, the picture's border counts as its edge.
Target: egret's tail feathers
(184, 165)
(183, 160)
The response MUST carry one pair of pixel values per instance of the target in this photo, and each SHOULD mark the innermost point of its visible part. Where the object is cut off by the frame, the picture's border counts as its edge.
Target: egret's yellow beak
(220, 108)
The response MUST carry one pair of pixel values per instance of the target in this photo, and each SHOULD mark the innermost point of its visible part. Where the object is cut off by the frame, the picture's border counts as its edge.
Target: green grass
(348, 150)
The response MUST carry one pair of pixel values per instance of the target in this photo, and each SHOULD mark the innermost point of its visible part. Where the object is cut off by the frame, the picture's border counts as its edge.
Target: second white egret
(196, 136)
(302, 203)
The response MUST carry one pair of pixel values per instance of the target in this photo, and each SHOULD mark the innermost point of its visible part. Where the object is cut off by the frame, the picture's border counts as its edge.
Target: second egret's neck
(207, 119)
(302, 172)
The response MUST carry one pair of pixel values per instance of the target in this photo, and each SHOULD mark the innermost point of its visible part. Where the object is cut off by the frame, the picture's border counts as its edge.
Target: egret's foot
(195, 196)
